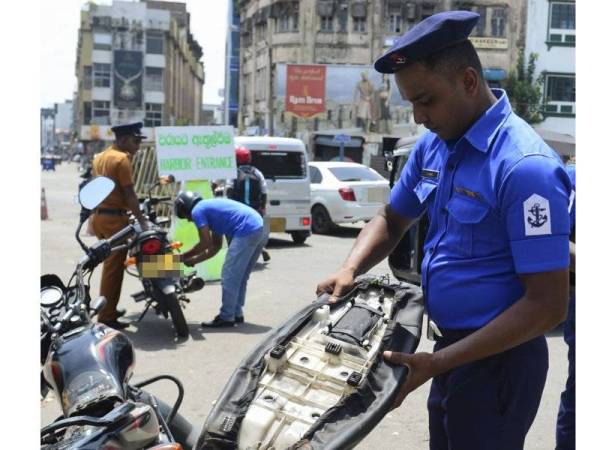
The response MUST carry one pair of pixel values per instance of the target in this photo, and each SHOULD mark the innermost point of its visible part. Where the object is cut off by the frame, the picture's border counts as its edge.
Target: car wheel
(321, 222)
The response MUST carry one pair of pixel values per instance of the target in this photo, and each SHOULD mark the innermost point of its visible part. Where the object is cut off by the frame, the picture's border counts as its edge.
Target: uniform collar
(482, 133)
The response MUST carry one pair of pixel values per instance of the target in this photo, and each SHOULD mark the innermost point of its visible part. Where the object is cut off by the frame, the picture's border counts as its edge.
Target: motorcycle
(164, 293)
(89, 366)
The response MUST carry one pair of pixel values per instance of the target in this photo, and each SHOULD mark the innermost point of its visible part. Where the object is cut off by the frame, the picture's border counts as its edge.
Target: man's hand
(336, 285)
(420, 370)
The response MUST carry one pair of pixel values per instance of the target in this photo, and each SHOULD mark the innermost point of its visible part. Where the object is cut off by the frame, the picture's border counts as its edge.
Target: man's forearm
(523, 321)
(134, 204)
(375, 242)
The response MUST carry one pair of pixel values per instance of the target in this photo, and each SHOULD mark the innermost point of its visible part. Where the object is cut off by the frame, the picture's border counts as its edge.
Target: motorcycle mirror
(92, 194)
(98, 304)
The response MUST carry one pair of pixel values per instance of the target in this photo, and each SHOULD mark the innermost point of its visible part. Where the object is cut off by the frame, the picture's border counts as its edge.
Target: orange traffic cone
(44, 205)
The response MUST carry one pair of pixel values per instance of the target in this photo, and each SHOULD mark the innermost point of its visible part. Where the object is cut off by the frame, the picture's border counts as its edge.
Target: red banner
(305, 90)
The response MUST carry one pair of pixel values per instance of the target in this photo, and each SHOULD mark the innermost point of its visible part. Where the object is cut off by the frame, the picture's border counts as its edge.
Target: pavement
(276, 290)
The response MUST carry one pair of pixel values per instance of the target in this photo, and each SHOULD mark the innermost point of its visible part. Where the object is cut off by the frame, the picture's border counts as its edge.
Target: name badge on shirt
(467, 192)
(431, 174)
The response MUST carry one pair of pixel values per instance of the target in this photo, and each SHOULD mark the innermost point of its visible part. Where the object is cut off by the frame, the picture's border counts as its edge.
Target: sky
(58, 46)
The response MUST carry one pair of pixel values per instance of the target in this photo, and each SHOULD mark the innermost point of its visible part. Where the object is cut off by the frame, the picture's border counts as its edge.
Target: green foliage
(523, 90)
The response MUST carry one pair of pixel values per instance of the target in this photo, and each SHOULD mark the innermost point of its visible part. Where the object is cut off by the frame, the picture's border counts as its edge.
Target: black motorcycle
(164, 293)
(89, 366)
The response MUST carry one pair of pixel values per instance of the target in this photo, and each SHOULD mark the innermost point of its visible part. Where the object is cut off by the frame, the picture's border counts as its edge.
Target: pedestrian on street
(112, 214)
(495, 271)
(250, 188)
(565, 424)
(216, 218)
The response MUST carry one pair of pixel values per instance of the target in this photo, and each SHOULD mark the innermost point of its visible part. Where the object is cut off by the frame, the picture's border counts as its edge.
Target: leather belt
(111, 212)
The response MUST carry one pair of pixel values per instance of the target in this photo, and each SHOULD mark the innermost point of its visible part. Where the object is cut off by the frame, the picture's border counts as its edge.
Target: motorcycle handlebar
(121, 234)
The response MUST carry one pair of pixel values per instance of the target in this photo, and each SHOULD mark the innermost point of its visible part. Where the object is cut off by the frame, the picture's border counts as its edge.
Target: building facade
(551, 35)
(136, 61)
(347, 36)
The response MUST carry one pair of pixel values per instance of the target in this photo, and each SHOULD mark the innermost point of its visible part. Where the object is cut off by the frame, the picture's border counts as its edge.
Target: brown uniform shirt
(116, 165)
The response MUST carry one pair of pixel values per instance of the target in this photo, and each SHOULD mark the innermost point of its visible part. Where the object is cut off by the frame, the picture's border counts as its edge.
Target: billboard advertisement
(353, 96)
(128, 75)
(305, 90)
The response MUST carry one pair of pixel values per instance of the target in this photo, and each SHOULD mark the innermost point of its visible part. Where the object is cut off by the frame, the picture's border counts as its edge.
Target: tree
(523, 90)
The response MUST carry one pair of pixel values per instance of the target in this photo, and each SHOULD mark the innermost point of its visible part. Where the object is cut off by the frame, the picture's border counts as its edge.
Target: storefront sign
(196, 153)
(489, 42)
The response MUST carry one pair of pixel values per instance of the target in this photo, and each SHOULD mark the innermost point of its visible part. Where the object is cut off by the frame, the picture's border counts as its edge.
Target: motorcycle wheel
(177, 317)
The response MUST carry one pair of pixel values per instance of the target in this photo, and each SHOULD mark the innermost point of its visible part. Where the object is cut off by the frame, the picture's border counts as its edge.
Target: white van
(283, 162)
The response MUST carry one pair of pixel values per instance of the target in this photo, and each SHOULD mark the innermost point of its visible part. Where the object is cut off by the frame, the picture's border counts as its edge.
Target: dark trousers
(565, 425)
(488, 404)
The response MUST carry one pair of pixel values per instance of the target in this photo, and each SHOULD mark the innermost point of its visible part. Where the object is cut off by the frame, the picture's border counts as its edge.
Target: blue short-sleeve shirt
(497, 201)
(226, 217)
(570, 168)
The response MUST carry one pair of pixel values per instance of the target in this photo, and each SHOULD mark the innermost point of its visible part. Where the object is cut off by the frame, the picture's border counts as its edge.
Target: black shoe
(239, 319)
(265, 256)
(217, 322)
(121, 312)
(115, 324)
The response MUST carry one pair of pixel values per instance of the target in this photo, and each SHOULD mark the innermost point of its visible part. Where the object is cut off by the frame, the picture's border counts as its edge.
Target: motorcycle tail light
(347, 194)
(151, 246)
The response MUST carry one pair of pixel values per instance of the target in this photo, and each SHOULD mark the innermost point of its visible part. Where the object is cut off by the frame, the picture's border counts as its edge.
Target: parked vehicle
(164, 293)
(344, 192)
(283, 162)
(89, 366)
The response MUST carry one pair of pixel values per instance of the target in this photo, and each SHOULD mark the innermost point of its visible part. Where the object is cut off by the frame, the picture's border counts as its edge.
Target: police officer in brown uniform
(112, 214)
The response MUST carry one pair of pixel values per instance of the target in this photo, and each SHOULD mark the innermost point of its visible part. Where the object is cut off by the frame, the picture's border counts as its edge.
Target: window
(261, 84)
(87, 77)
(315, 175)
(287, 23)
(100, 112)
(359, 24)
(562, 23)
(154, 43)
(261, 31)
(326, 23)
(427, 11)
(560, 93)
(355, 174)
(480, 27)
(277, 164)
(102, 41)
(395, 23)
(101, 75)
(87, 113)
(154, 79)
(499, 22)
(343, 19)
(153, 115)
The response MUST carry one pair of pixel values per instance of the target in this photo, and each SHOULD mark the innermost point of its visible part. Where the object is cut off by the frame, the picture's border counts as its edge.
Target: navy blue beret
(129, 129)
(428, 36)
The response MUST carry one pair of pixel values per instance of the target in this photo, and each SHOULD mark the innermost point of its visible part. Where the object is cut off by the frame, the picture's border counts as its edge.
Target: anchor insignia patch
(536, 213)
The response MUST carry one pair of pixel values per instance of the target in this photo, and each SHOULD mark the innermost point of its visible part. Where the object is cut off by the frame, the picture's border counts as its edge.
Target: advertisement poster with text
(127, 78)
(196, 153)
(305, 90)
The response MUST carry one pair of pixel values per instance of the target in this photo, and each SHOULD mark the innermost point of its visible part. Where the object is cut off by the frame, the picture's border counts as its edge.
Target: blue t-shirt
(570, 168)
(497, 201)
(226, 217)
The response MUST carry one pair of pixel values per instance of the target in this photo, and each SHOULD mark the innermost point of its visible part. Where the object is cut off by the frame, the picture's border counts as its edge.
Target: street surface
(275, 291)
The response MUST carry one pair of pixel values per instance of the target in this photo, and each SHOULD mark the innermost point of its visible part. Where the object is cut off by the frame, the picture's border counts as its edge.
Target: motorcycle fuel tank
(89, 366)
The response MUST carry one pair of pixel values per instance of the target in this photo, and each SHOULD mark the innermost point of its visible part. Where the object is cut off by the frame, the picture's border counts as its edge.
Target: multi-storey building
(551, 35)
(136, 61)
(347, 36)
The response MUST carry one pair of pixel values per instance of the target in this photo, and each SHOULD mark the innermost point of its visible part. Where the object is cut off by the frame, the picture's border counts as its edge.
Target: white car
(344, 192)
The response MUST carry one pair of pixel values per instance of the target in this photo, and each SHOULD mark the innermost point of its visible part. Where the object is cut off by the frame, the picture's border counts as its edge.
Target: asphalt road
(275, 291)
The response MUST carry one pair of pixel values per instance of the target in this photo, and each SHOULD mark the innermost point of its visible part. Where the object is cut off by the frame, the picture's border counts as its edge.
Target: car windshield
(355, 174)
(279, 164)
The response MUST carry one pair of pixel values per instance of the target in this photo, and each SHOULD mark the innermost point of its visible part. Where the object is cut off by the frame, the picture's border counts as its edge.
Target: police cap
(129, 129)
(428, 36)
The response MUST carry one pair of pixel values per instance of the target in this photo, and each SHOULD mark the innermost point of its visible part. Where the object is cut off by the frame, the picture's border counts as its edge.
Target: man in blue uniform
(565, 424)
(216, 218)
(495, 271)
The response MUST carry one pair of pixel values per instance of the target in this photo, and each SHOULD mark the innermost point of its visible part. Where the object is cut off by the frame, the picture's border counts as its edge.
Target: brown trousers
(113, 267)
